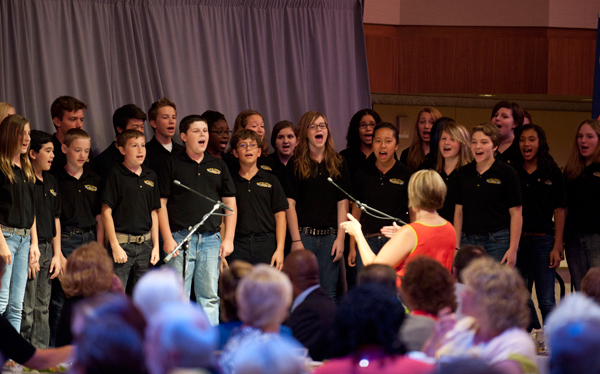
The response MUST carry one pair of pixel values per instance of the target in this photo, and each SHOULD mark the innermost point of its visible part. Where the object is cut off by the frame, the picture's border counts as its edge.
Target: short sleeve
(278, 200)
(110, 191)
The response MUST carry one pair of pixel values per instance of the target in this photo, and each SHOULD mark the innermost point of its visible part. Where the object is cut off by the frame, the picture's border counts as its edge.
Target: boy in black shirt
(162, 116)
(130, 203)
(261, 225)
(34, 322)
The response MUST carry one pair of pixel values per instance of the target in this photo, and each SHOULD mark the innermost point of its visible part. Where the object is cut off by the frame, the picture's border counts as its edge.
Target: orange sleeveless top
(437, 242)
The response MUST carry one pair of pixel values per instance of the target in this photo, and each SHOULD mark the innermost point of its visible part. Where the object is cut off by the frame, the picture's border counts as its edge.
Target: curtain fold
(279, 57)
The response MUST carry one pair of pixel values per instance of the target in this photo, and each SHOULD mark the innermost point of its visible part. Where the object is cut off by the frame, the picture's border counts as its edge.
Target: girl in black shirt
(359, 139)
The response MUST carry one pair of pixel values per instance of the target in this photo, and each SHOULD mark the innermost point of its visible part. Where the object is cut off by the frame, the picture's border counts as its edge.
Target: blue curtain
(280, 57)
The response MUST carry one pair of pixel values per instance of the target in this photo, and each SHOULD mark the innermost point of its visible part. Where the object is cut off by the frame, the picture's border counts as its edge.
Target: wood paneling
(497, 60)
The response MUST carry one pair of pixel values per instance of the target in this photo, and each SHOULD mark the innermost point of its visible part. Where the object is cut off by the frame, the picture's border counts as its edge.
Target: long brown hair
(460, 134)
(576, 162)
(416, 155)
(12, 130)
(240, 123)
(305, 165)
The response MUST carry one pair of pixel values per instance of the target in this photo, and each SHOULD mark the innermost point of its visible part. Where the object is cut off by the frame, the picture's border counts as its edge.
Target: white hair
(573, 308)
(270, 356)
(156, 288)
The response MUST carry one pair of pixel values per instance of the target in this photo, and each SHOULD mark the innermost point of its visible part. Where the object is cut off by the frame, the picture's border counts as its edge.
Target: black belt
(42, 240)
(77, 230)
(315, 231)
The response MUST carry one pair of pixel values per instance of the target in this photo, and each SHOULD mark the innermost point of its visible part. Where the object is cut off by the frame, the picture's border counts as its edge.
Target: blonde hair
(426, 190)
(4, 109)
(263, 296)
(89, 271)
(304, 165)
(12, 130)
(459, 133)
(499, 292)
(73, 135)
(575, 162)
(416, 155)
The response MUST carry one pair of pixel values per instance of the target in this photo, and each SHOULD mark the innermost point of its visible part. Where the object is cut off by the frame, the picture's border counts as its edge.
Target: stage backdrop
(280, 57)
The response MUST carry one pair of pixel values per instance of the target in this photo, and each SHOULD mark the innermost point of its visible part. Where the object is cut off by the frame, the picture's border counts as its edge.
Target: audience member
(158, 287)
(463, 258)
(495, 301)
(418, 151)
(264, 297)
(427, 288)
(467, 365)
(590, 285)
(179, 335)
(312, 313)
(378, 273)
(366, 334)
(270, 357)
(228, 284)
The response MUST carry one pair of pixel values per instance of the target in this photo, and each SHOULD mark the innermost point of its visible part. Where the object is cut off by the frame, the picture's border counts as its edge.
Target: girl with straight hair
(416, 154)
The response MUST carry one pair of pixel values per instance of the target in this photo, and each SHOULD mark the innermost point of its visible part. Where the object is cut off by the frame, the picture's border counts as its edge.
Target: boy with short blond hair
(130, 203)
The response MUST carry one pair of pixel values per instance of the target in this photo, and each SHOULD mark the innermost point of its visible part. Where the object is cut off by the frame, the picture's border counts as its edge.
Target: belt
(137, 239)
(315, 231)
(532, 234)
(77, 230)
(12, 230)
(374, 235)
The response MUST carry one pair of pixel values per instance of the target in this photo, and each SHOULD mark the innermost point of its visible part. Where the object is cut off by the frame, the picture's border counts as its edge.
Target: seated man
(313, 312)
(378, 273)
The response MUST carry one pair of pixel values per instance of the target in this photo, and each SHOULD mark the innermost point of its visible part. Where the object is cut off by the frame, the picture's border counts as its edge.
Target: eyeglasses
(365, 125)
(220, 132)
(321, 126)
(244, 146)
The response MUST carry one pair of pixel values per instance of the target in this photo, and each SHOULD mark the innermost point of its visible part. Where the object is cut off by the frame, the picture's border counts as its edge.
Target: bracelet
(294, 241)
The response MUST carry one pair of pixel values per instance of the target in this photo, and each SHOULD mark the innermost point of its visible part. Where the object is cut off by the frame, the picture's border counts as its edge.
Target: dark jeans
(34, 320)
(495, 243)
(69, 242)
(533, 261)
(137, 264)
(255, 248)
(376, 243)
(583, 253)
(328, 270)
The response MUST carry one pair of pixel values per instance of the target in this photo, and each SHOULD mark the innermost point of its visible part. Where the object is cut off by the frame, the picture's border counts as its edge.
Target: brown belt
(12, 230)
(137, 239)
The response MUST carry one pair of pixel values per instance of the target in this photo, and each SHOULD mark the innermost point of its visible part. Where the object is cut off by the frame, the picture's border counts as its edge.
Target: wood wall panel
(420, 59)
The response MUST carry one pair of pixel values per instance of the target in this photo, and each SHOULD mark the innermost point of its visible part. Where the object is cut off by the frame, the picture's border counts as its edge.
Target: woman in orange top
(429, 234)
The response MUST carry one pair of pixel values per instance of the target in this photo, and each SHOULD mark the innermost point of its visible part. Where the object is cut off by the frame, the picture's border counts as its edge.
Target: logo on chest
(53, 192)
(266, 167)
(597, 174)
(264, 184)
(493, 181)
(90, 187)
(213, 171)
(397, 181)
(149, 183)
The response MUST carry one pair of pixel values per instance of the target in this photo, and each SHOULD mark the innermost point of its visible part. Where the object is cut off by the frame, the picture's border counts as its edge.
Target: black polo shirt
(210, 177)
(447, 211)
(385, 192)
(486, 198)
(156, 153)
(258, 199)
(107, 160)
(404, 159)
(543, 191)
(316, 198)
(355, 159)
(511, 154)
(584, 204)
(79, 198)
(132, 199)
(16, 200)
(47, 206)
(278, 167)
(60, 159)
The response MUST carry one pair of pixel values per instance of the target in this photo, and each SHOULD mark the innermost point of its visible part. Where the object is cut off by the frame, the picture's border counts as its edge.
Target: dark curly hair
(352, 136)
(428, 285)
(544, 158)
(369, 315)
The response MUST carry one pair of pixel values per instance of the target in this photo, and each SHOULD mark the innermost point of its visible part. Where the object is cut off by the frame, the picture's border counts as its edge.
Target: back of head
(264, 296)
(270, 356)
(590, 285)
(379, 274)
(465, 255)
(302, 267)
(88, 272)
(156, 288)
(180, 335)
(428, 286)
(426, 190)
(369, 316)
(228, 284)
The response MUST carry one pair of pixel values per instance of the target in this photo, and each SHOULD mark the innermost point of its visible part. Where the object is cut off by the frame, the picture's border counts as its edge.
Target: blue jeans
(69, 241)
(376, 243)
(14, 280)
(202, 266)
(495, 243)
(533, 261)
(328, 270)
(137, 264)
(583, 253)
(34, 323)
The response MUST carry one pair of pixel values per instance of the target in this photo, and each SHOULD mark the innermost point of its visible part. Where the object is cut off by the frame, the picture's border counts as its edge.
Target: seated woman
(366, 339)
(495, 303)
(263, 297)
(429, 234)
(228, 309)
(427, 288)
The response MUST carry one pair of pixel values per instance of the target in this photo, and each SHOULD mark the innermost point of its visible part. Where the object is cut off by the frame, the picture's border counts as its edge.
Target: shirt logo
(493, 181)
(548, 182)
(264, 184)
(214, 171)
(149, 183)
(266, 167)
(397, 181)
(91, 188)
(53, 192)
(597, 174)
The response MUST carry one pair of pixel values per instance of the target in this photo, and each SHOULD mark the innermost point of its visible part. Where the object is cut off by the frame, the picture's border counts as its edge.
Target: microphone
(221, 204)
